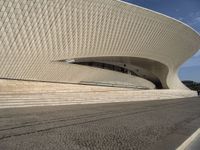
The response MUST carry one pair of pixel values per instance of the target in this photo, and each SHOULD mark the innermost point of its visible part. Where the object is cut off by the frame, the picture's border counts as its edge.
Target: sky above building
(187, 11)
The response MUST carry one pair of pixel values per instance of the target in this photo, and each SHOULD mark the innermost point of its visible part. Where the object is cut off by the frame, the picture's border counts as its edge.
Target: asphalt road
(149, 125)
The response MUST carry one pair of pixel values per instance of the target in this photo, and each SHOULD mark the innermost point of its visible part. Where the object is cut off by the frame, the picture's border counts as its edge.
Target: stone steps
(20, 94)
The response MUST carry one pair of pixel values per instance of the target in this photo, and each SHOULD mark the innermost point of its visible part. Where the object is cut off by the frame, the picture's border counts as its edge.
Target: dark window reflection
(107, 66)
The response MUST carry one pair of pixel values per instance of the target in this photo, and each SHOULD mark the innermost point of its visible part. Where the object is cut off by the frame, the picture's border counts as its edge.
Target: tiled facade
(36, 34)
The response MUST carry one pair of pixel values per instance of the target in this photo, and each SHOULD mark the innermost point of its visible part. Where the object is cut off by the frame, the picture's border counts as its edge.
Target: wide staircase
(15, 93)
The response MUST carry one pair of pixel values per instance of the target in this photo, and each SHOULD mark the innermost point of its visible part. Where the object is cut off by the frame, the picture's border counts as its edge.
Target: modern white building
(103, 42)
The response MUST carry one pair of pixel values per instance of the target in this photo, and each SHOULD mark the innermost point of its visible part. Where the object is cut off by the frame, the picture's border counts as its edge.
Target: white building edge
(103, 42)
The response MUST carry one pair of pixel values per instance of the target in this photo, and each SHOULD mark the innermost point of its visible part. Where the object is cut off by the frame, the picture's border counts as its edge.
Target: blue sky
(187, 11)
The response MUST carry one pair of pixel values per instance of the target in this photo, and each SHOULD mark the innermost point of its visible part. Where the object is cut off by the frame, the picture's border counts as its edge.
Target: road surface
(152, 125)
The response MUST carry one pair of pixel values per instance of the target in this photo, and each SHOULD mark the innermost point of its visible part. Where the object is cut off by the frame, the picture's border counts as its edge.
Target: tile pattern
(35, 34)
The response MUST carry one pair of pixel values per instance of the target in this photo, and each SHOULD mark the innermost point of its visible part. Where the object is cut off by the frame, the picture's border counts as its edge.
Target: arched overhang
(151, 70)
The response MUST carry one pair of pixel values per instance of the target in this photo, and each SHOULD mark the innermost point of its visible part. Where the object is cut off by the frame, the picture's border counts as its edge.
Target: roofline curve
(178, 21)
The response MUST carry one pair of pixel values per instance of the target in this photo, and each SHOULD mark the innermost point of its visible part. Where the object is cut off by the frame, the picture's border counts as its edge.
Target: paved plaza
(163, 124)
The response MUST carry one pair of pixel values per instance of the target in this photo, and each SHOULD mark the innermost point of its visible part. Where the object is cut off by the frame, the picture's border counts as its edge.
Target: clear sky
(187, 11)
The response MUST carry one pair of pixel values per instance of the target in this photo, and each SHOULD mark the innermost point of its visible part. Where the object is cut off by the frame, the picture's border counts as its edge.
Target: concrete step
(20, 94)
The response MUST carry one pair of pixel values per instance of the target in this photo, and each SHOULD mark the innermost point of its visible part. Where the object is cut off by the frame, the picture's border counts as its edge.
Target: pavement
(148, 125)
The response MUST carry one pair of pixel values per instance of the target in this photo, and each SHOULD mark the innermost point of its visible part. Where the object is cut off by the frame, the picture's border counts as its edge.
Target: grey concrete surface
(149, 125)
(192, 143)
